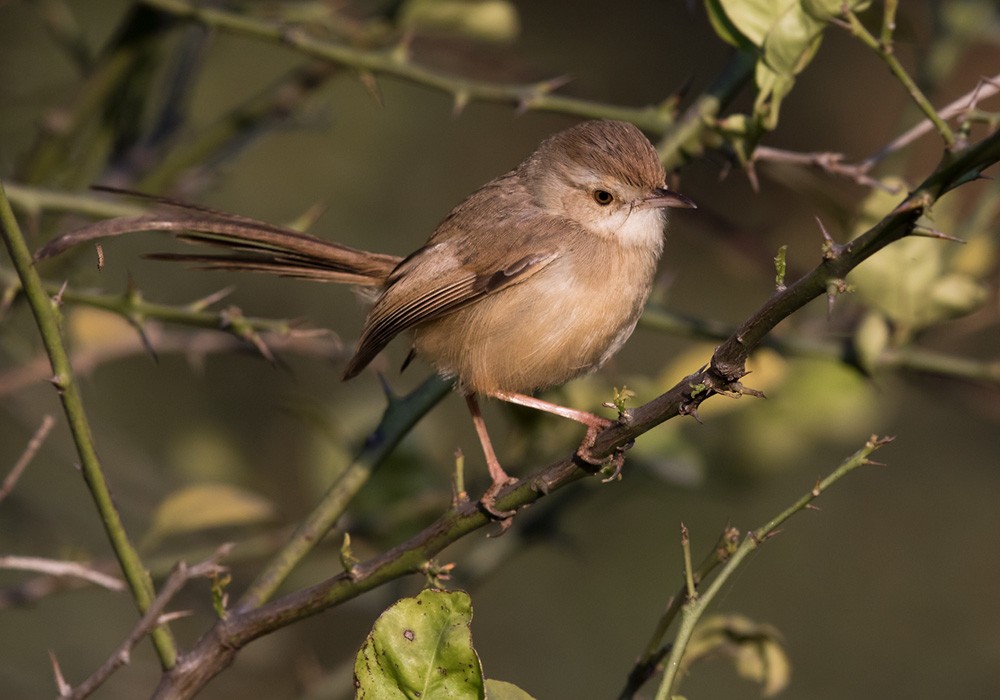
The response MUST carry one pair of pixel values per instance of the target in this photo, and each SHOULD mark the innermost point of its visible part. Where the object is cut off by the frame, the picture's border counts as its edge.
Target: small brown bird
(536, 278)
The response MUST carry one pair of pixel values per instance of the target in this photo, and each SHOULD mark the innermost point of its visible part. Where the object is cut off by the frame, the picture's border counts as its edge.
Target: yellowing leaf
(421, 647)
(208, 506)
(482, 20)
(755, 649)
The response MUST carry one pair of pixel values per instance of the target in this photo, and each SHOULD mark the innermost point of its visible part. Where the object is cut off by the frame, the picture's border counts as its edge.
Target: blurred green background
(888, 591)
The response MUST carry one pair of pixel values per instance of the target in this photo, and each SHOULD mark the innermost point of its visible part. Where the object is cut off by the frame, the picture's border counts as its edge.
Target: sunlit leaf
(421, 648)
(208, 506)
(481, 20)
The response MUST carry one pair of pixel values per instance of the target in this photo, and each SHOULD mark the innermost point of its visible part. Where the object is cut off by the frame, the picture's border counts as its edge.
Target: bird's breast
(560, 323)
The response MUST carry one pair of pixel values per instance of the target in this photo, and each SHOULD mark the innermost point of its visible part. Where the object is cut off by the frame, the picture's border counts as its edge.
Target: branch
(395, 63)
(63, 569)
(181, 574)
(694, 607)
(46, 317)
(883, 47)
(218, 647)
(10, 481)
(910, 359)
(834, 164)
(195, 346)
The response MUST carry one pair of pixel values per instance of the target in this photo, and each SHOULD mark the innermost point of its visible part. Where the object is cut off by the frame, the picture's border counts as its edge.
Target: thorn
(875, 442)
(552, 84)
(370, 82)
(874, 463)
(390, 395)
(147, 345)
(816, 490)
(831, 249)
(693, 412)
(57, 299)
(810, 506)
(460, 103)
(924, 232)
(65, 688)
(305, 220)
(213, 298)
(747, 391)
(401, 53)
(100, 256)
(833, 288)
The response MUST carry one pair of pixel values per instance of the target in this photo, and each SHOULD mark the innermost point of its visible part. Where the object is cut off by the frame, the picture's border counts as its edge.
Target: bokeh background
(888, 591)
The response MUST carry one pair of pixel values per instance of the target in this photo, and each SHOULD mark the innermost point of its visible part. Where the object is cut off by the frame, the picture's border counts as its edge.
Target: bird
(536, 278)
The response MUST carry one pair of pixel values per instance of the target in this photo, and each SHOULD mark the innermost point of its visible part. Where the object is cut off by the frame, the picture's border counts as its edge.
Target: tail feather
(255, 246)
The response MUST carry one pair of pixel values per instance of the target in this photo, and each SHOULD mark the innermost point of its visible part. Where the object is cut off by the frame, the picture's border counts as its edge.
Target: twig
(883, 47)
(63, 569)
(694, 608)
(655, 650)
(194, 346)
(398, 419)
(834, 164)
(63, 380)
(392, 62)
(181, 574)
(29, 453)
(905, 358)
(986, 88)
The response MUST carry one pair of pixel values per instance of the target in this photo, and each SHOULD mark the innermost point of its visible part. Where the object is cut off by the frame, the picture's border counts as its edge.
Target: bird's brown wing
(425, 287)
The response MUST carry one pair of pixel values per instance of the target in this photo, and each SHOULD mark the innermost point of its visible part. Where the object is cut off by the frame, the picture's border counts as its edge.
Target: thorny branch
(217, 648)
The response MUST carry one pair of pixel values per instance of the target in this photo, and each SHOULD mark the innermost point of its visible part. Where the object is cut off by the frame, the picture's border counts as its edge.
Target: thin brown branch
(63, 569)
(29, 453)
(181, 574)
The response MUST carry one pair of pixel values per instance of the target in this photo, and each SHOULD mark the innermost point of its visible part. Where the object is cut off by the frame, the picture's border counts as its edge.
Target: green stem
(695, 608)
(686, 138)
(393, 62)
(35, 200)
(47, 318)
(883, 48)
(398, 419)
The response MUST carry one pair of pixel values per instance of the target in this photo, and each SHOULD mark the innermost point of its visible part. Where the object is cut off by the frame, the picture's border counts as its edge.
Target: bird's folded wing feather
(399, 309)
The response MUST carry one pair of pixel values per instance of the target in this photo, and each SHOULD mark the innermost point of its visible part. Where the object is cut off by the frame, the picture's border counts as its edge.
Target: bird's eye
(603, 197)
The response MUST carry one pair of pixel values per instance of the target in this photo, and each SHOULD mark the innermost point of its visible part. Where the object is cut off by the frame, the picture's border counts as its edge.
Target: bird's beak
(663, 198)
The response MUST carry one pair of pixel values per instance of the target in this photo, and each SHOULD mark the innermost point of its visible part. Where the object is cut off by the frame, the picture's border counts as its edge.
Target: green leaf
(208, 506)
(756, 18)
(480, 20)
(826, 10)
(722, 25)
(915, 282)
(502, 690)
(421, 648)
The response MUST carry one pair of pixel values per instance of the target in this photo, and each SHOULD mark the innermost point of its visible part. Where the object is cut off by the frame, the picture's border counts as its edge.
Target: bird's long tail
(251, 245)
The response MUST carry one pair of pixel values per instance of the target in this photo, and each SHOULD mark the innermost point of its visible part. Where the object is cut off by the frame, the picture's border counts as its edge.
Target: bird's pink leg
(497, 474)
